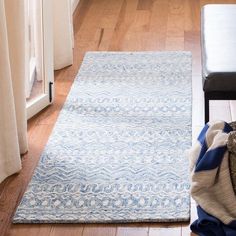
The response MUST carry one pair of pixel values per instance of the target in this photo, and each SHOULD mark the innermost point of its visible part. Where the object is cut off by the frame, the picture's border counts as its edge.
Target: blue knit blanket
(211, 185)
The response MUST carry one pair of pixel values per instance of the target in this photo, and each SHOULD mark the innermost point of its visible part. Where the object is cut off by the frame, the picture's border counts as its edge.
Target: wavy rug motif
(116, 153)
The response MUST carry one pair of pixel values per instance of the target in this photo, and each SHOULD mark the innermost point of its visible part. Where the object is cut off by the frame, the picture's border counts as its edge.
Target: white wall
(74, 4)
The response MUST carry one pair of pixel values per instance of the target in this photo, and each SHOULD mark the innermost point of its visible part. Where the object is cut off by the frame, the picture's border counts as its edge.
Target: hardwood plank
(141, 21)
(192, 15)
(80, 14)
(99, 230)
(174, 43)
(175, 26)
(104, 43)
(166, 230)
(192, 43)
(3, 185)
(66, 229)
(123, 25)
(175, 22)
(158, 23)
(4, 222)
(132, 231)
(110, 14)
(24, 229)
(144, 4)
(50, 114)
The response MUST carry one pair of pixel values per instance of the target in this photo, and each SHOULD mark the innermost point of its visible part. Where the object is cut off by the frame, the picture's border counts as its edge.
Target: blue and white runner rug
(116, 153)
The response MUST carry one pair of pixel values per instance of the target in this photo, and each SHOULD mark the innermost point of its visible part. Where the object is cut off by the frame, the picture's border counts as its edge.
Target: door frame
(45, 99)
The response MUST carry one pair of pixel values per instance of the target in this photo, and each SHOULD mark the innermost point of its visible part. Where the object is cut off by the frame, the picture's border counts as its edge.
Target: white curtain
(63, 33)
(13, 125)
(14, 46)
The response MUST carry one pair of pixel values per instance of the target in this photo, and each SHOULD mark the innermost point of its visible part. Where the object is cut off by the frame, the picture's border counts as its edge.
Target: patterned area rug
(116, 153)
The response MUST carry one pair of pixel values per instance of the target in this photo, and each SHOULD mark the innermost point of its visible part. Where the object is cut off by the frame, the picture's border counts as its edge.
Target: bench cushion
(218, 42)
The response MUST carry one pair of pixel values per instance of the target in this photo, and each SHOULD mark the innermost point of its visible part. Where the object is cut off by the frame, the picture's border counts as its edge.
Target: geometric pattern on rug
(117, 151)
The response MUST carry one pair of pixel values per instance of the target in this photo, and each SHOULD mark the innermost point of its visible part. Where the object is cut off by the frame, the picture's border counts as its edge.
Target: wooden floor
(117, 25)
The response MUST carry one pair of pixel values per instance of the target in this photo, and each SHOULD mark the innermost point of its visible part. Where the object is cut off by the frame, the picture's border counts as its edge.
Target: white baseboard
(74, 4)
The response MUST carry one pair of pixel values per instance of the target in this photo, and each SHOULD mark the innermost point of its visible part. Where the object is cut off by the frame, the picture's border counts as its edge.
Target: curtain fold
(63, 33)
(13, 123)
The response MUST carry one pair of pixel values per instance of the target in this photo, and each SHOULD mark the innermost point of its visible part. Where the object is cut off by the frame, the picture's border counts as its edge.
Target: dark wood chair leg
(206, 98)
